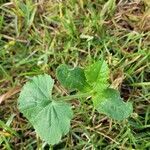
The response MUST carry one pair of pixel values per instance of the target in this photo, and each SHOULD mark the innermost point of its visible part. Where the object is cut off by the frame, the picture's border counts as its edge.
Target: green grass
(35, 38)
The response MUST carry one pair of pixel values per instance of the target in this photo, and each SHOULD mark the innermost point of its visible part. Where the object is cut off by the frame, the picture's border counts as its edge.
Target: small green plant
(50, 116)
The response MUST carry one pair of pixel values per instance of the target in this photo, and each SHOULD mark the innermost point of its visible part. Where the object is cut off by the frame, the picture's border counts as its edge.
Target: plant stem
(70, 97)
(51, 147)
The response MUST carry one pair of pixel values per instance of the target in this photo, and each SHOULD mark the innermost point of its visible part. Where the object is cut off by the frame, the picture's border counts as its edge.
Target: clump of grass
(36, 37)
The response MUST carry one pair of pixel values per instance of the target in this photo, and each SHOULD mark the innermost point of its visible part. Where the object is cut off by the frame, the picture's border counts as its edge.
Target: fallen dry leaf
(10, 93)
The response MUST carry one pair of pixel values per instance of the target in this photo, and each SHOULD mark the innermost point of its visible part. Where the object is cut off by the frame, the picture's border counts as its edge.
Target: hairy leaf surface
(51, 119)
(72, 78)
(110, 103)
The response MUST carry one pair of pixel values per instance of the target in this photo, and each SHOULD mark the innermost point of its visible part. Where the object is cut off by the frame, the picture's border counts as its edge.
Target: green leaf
(97, 75)
(110, 103)
(51, 119)
(72, 78)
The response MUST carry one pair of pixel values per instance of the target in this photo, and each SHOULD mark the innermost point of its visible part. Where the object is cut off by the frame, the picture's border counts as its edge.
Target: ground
(37, 36)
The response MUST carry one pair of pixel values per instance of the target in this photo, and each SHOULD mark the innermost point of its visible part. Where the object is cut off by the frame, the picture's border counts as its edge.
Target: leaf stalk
(71, 97)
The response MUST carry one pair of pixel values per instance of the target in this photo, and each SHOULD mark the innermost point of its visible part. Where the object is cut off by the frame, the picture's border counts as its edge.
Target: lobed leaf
(51, 119)
(72, 78)
(97, 75)
(110, 103)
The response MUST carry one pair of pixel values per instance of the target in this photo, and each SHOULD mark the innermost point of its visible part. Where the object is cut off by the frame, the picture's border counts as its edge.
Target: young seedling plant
(51, 116)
